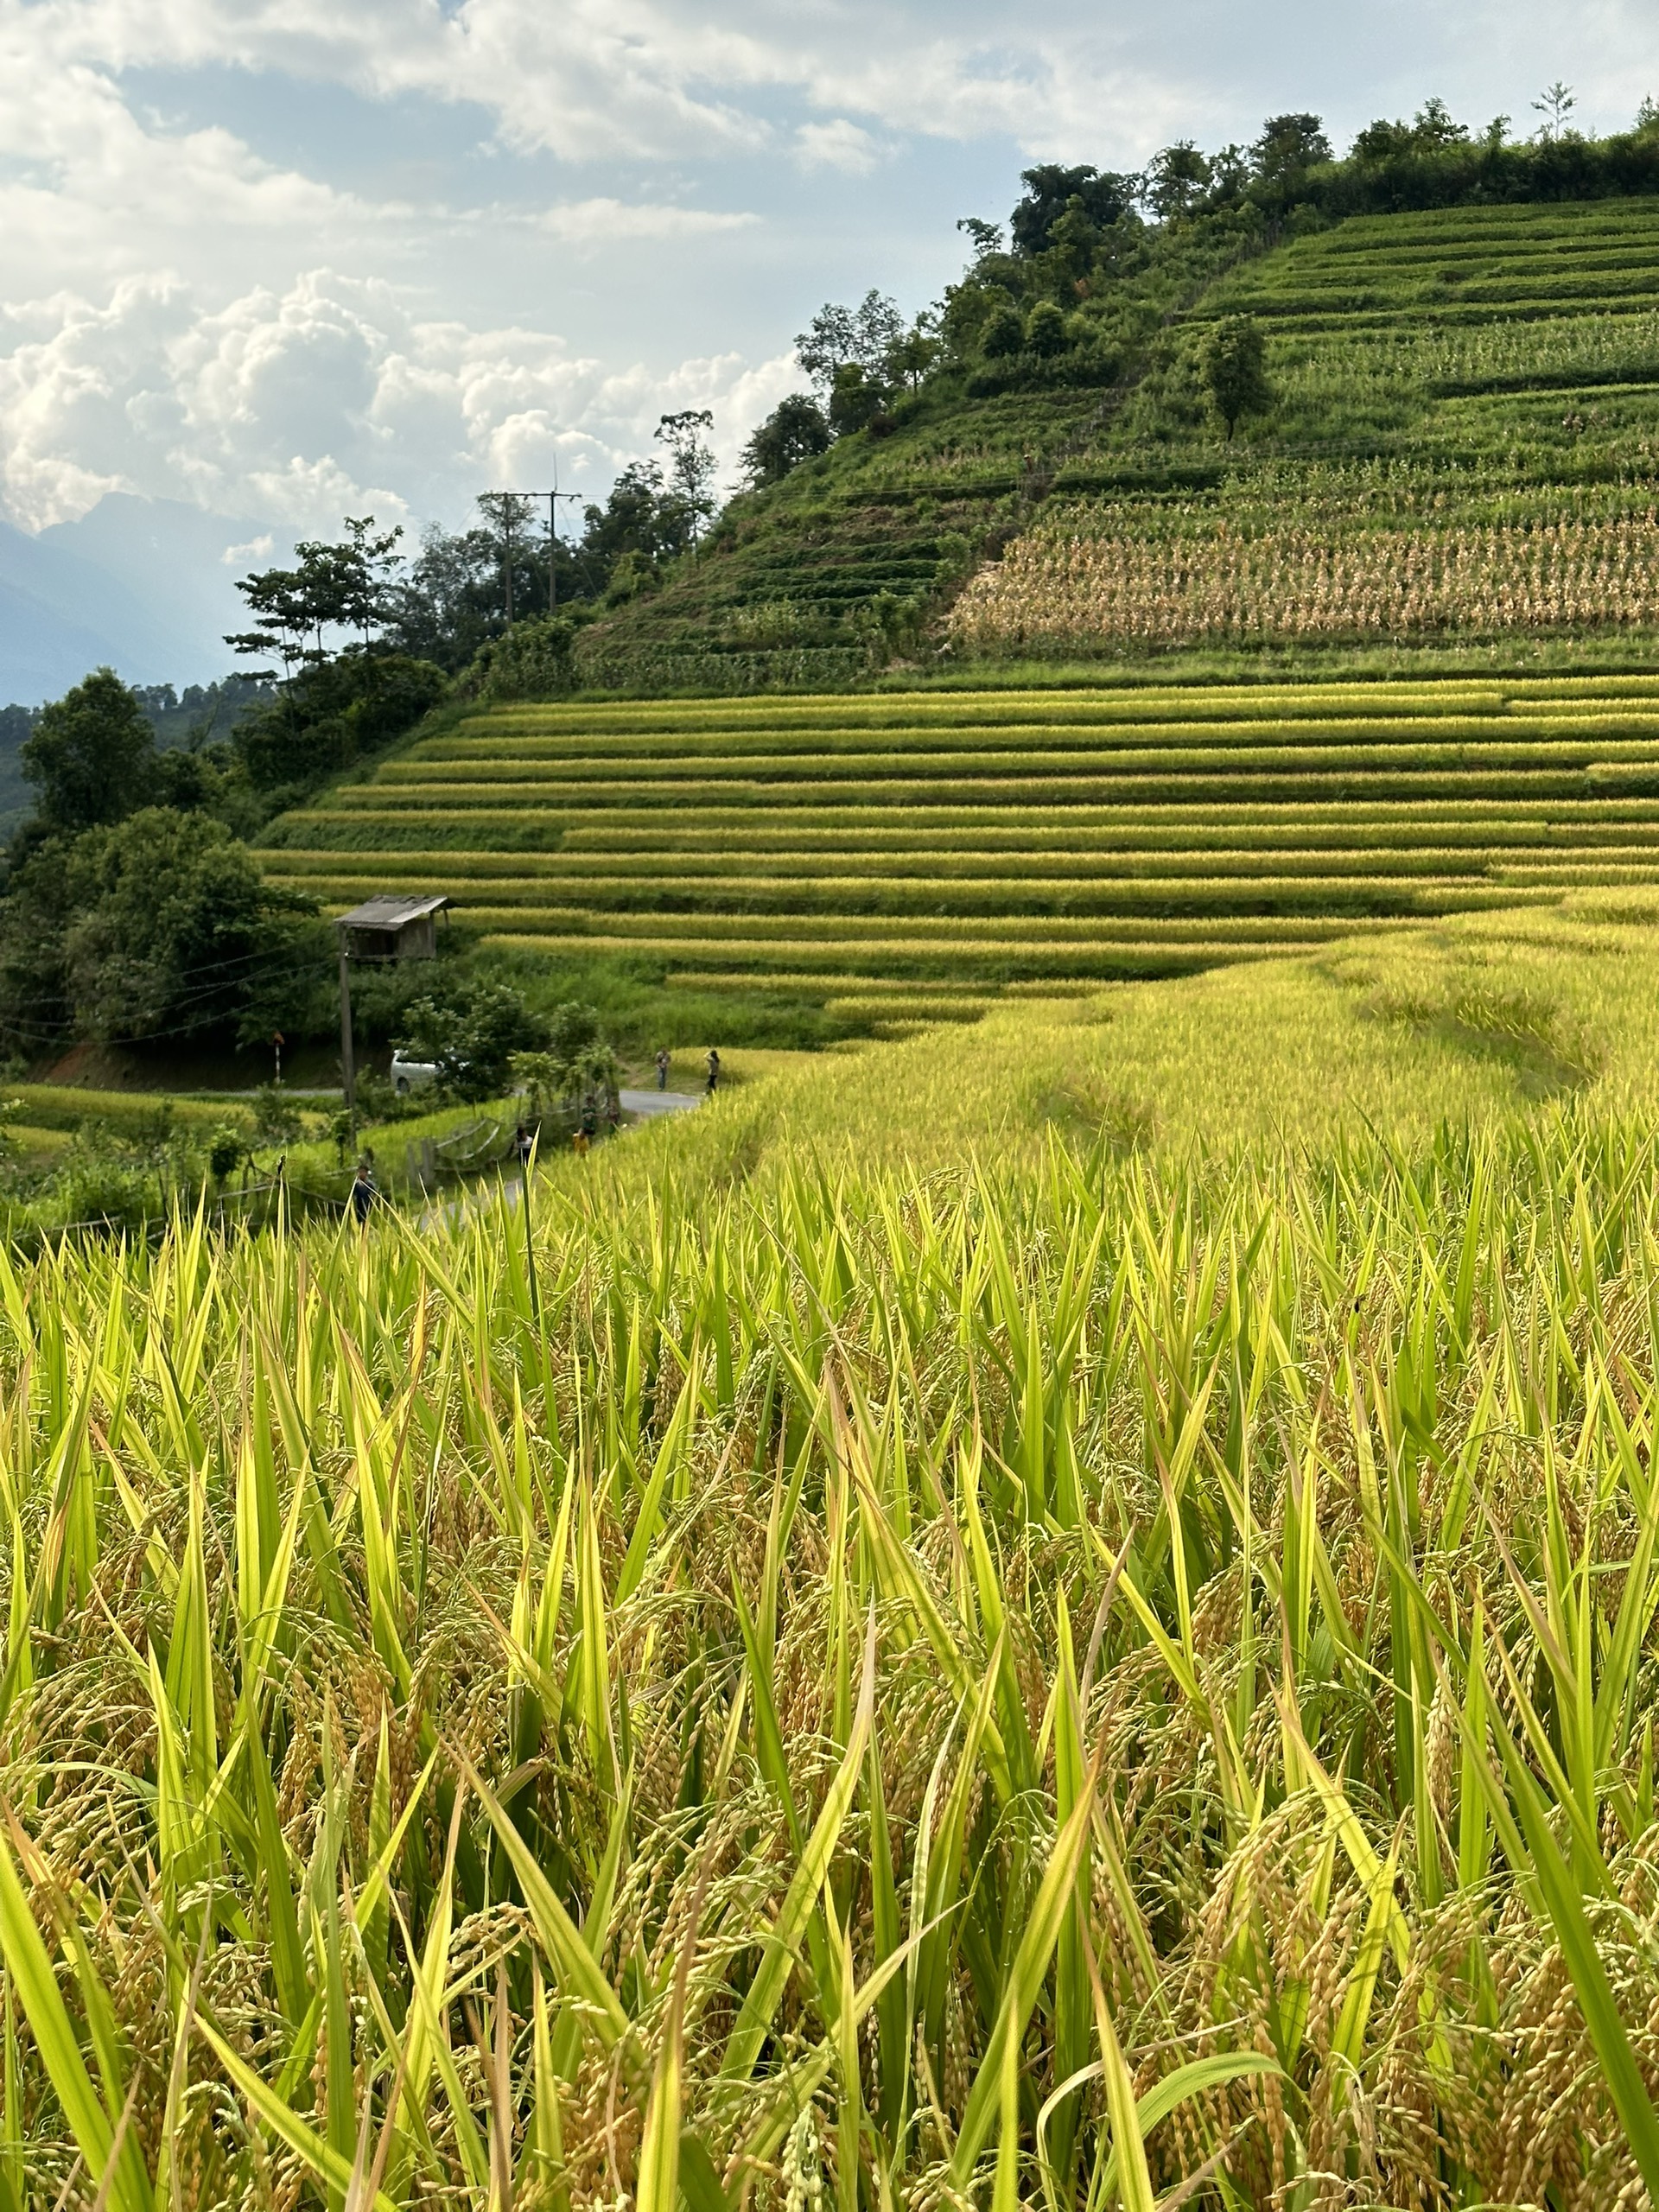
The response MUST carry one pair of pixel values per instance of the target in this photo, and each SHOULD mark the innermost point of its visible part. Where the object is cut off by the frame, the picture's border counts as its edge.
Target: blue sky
(280, 260)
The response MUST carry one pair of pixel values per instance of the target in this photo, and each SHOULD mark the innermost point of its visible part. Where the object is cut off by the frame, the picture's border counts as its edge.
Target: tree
(796, 430)
(507, 514)
(1050, 190)
(163, 925)
(1175, 180)
(344, 586)
(577, 1057)
(89, 754)
(910, 357)
(1234, 367)
(1289, 146)
(692, 466)
(862, 337)
(474, 1043)
(984, 238)
(363, 567)
(640, 516)
(1045, 329)
(1002, 334)
(1555, 103)
(855, 398)
(1647, 118)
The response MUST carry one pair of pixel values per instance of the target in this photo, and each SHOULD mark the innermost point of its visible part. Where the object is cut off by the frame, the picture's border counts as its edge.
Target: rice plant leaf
(1564, 1903)
(1054, 1898)
(323, 2160)
(30, 1970)
(766, 1991)
(563, 1941)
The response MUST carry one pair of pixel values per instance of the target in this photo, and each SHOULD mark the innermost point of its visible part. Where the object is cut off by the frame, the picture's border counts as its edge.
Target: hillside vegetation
(906, 857)
(1451, 442)
(1460, 446)
(1060, 1676)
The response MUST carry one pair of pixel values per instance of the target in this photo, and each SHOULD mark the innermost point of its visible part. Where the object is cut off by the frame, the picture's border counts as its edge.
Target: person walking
(363, 1193)
(662, 1069)
(714, 1071)
(522, 1145)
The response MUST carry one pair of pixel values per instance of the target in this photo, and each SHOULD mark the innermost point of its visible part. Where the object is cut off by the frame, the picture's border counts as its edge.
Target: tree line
(1089, 261)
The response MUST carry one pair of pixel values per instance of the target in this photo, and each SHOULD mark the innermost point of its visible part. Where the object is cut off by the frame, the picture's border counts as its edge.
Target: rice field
(1058, 1672)
(976, 841)
(1462, 447)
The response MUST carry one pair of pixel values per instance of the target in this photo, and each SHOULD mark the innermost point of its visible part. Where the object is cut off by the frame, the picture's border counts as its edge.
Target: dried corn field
(1065, 1687)
(1068, 586)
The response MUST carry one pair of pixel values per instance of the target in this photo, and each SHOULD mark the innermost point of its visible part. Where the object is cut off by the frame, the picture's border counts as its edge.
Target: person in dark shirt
(662, 1069)
(363, 1192)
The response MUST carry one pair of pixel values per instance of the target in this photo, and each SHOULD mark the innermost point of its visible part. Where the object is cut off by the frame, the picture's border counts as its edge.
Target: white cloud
(838, 145)
(604, 222)
(326, 398)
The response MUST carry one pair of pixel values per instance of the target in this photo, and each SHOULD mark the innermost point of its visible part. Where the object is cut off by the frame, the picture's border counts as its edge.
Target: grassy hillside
(908, 856)
(1460, 451)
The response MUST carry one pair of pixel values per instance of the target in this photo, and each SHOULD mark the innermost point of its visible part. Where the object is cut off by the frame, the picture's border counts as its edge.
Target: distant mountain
(143, 586)
(178, 564)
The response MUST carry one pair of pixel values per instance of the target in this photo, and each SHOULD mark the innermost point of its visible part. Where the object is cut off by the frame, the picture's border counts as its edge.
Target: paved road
(646, 1103)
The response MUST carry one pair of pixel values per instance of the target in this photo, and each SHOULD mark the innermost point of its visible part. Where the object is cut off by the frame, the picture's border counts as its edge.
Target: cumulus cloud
(842, 145)
(326, 398)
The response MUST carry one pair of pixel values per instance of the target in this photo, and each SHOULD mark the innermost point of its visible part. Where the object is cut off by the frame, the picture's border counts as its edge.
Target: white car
(409, 1075)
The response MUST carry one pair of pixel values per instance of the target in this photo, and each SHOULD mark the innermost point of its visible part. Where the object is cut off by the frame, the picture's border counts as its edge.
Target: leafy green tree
(1234, 368)
(1289, 146)
(1555, 103)
(856, 399)
(1102, 196)
(984, 238)
(1176, 180)
(862, 337)
(343, 586)
(332, 713)
(577, 1058)
(91, 755)
(1002, 334)
(473, 1042)
(796, 430)
(1046, 331)
(692, 466)
(640, 516)
(160, 925)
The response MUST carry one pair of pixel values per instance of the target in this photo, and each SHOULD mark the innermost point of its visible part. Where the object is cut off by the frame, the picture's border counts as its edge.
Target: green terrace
(889, 854)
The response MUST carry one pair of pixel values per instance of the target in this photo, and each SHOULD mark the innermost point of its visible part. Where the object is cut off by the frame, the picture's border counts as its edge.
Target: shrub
(530, 661)
(333, 713)
(1045, 332)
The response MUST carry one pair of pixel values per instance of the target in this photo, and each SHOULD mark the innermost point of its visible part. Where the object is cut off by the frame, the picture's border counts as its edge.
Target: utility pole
(507, 510)
(347, 1069)
(553, 499)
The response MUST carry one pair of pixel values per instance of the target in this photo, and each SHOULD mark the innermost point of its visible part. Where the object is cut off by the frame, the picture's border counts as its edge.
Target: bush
(1046, 331)
(531, 661)
(855, 400)
(333, 713)
(473, 1042)
(1002, 334)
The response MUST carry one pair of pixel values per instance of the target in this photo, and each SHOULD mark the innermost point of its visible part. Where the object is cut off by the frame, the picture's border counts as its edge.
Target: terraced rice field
(1463, 444)
(907, 855)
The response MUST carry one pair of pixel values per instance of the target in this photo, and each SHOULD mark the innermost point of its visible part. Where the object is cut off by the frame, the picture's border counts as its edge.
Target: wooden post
(347, 1068)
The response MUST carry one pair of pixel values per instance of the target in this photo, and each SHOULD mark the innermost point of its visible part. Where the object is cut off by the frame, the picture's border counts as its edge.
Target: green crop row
(742, 878)
(989, 960)
(1553, 722)
(1167, 784)
(1221, 758)
(872, 828)
(1218, 906)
